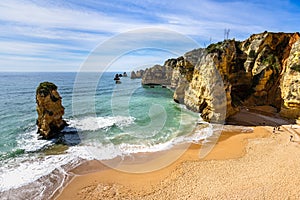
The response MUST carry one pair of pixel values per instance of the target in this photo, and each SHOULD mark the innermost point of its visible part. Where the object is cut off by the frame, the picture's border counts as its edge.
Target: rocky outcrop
(49, 109)
(158, 75)
(137, 74)
(219, 80)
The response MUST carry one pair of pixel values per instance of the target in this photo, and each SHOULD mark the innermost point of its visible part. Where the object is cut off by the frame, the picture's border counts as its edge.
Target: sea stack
(138, 74)
(50, 110)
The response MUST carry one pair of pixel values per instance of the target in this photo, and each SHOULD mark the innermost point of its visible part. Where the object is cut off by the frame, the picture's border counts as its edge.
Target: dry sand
(256, 165)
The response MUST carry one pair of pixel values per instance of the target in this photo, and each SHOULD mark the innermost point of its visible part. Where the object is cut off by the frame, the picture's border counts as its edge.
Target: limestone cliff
(176, 73)
(290, 83)
(262, 70)
(49, 109)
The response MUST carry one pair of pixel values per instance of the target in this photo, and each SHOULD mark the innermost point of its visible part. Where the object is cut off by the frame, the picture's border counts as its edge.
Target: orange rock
(50, 110)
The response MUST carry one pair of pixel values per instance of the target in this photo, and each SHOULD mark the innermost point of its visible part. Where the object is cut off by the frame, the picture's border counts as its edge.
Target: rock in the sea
(137, 74)
(262, 70)
(50, 110)
(133, 75)
(117, 77)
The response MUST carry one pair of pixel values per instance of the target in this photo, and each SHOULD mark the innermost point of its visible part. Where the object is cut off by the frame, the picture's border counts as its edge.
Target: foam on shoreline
(33, 166)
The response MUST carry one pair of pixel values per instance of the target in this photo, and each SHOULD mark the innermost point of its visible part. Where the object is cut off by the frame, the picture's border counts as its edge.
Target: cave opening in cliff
(240, 93)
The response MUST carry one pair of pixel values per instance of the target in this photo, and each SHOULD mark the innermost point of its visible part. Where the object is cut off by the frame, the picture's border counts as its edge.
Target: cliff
(49, 109)
(220, 79)
(290, 83)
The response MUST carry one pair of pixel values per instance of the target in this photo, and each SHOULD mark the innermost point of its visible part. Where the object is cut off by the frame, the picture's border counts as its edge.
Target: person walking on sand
(274, 130)
(291, 138)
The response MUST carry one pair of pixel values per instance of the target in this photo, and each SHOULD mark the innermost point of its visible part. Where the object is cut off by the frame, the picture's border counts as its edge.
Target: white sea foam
(30, 168)
(110, 151)
(27, 169)
(30, 142)
(96, 123)
(22, 170)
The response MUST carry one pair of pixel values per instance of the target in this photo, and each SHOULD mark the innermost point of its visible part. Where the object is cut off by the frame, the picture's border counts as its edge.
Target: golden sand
(257, 165)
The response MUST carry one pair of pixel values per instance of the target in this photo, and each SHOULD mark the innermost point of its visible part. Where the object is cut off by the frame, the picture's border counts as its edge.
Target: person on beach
(291, 138)
(274, 130)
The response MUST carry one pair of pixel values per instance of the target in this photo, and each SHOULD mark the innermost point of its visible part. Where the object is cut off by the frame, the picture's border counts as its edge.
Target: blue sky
(59, 35)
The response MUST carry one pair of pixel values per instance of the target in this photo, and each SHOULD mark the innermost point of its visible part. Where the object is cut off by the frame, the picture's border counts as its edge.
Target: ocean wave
(30, 142)
(96, 123)
(32, 167)
(27, 169)
(111, 151)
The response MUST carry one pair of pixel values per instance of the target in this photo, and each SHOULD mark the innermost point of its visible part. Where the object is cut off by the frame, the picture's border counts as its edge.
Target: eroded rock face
(158, 75)
(262, 70)
(266, 55)
(49, 109)
(205, 93)
(176, 73)
(290, 84)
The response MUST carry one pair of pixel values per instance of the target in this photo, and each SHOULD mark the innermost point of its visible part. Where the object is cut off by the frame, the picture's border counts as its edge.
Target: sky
(60, 35)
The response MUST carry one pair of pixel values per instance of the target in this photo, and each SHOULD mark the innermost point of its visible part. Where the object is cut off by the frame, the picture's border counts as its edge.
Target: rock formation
(133, 75)
(137, 74)
(262, 70)
(157, 75)
(49, 109)
(290, 83)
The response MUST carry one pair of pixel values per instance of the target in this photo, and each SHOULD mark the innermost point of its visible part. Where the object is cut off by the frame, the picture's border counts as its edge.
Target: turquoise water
(117, 119)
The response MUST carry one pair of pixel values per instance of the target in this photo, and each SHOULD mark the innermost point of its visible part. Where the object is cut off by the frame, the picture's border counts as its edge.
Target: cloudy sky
(60, 35)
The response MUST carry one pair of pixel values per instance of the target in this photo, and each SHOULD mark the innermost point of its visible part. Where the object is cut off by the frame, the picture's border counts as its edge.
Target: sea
(106, 120)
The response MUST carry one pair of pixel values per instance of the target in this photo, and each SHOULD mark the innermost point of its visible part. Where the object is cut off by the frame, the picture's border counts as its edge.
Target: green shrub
(252, 54)
(213, 48)
(45, 88)
(296, 67)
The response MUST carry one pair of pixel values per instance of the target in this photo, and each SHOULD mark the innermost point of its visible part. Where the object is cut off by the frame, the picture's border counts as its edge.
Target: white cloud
(60, 17)
(64, 29)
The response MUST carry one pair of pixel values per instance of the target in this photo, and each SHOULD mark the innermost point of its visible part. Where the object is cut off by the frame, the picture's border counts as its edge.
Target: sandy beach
(257, 164)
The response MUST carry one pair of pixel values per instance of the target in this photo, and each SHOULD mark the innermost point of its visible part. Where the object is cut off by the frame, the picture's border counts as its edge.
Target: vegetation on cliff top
(45, 88)
(214, 48)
